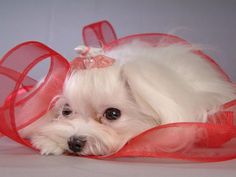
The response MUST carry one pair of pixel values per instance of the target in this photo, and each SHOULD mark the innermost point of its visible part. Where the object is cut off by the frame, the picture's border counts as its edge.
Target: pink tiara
(99, 61)
(91, 58)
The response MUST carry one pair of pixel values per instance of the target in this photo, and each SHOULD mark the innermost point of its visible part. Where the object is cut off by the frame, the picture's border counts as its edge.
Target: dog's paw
(46, 146)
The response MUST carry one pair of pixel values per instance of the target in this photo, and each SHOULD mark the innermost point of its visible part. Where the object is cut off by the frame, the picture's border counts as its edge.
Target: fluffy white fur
(150, 85)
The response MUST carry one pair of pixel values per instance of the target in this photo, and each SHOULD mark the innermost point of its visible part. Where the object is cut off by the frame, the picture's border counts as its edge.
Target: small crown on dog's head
(87, 61)
(99, 61)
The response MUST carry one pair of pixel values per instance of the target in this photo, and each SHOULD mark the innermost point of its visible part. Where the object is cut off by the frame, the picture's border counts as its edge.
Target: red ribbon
(20, 105)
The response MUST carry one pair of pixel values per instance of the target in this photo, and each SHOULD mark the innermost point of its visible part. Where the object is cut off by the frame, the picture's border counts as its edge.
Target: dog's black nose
(76, 143)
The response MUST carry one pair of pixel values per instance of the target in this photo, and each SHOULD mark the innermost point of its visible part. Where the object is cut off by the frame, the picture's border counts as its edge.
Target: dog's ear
(152, 91)
(141, 86)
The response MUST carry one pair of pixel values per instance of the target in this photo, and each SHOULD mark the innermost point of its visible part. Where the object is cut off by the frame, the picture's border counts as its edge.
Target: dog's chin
(52, 139)
(58, 146)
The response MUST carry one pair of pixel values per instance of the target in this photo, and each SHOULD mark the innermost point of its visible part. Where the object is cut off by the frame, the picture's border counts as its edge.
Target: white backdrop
(58, 23)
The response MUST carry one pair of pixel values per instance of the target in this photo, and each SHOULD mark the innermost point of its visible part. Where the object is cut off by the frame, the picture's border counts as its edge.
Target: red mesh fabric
(99, 34)
(21, 100)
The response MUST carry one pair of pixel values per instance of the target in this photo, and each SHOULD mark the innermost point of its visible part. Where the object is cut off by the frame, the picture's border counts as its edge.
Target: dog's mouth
(93, 147)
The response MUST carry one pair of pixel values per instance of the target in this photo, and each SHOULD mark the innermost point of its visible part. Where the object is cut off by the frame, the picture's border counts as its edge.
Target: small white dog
(101, 109)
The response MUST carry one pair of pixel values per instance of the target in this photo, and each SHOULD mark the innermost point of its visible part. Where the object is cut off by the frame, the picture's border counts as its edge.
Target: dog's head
(96, 114)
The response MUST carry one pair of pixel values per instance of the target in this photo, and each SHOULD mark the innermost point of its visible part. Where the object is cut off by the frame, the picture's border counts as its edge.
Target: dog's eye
(112, 113)
(66, 111)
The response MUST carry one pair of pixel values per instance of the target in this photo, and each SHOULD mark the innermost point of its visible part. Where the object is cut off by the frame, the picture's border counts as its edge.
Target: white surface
(16, 160)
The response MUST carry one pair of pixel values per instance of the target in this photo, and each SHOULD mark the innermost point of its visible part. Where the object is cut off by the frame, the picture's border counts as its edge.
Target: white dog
(101, 109)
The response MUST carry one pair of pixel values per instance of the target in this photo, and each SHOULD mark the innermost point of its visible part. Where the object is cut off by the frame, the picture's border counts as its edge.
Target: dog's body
(103, 108)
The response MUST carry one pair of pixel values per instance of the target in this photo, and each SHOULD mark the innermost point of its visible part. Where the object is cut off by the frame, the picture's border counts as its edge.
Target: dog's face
(96, 115)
